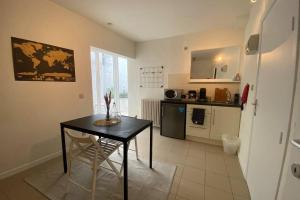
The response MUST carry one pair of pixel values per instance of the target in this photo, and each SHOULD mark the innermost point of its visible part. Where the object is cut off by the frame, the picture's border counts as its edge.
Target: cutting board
(221, 95)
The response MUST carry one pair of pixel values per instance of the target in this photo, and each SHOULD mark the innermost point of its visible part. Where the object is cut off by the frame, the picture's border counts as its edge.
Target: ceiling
(142, 20)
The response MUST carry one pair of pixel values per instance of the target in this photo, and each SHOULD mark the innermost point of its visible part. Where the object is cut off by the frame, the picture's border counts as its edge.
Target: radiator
(151, 110)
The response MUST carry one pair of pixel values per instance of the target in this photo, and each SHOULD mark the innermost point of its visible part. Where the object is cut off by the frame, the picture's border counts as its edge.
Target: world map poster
(34, 61)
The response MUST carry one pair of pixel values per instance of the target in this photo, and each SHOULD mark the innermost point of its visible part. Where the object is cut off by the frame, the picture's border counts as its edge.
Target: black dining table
(124, 131)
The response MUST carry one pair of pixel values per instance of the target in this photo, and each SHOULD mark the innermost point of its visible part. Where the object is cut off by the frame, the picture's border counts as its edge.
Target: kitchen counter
(210, 103)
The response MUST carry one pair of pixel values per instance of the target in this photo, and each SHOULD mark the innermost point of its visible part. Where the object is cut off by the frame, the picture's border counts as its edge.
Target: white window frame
(97, 81)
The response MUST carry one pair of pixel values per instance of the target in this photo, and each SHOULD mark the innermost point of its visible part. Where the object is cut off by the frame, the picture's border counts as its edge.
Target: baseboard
(204, 140)
(28, 165)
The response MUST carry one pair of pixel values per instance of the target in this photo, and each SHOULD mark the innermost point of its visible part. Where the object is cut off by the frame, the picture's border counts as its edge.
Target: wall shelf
(213, 81)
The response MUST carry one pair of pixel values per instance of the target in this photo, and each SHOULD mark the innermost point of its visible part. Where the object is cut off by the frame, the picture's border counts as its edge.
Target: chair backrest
(83, 139)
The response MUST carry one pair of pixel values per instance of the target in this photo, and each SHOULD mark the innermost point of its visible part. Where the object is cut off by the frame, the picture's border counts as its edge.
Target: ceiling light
(253, 1)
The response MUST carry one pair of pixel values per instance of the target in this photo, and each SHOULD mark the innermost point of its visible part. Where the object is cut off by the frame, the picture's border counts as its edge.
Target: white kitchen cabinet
(224, 120)
(196, 130)
(218, 120)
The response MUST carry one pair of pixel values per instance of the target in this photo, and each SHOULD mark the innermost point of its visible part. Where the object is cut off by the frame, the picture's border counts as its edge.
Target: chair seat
(88, 154)
(110, 141)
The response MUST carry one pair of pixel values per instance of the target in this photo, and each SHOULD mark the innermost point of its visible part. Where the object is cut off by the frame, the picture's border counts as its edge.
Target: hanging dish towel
(198, 116)
(244, 98)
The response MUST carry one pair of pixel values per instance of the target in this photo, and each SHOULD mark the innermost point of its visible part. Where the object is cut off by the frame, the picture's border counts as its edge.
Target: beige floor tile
(190, 190)
(197, 146)
(179, 170)
(196, 153)
(193, 174)
(196, 162)
(241, 198)
(215, 194)
(172, 196)
(215, 157)
(215, 163)
(174, 187)
(176, 159)
(217, 181)
(239, 188)
(231, 160)
(235, 171)
(179, 151)
(214, 149)
(181, 198)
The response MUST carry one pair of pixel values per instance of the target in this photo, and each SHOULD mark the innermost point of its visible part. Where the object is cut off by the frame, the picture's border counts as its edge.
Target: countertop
(193, 101)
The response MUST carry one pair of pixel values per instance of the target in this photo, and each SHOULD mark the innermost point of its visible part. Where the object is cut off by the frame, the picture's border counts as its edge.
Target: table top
(123, 131)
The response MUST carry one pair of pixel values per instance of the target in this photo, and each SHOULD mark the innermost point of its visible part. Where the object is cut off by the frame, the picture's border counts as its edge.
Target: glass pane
(107, 77)
(123, 85)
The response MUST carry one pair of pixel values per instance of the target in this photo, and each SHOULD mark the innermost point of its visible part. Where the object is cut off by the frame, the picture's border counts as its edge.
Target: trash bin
(230, 144)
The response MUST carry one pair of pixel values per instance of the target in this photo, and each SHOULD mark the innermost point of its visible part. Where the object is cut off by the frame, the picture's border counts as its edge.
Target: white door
(275, 85)
(290, 185)
(225, 120)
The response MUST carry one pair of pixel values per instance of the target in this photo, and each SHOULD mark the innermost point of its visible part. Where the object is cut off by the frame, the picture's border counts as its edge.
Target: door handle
(296, 143)
(255, 106)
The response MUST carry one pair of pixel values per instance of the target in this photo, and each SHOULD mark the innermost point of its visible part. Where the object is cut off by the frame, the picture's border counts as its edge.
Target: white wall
(170, 53)
(249, 74)
(30, 112)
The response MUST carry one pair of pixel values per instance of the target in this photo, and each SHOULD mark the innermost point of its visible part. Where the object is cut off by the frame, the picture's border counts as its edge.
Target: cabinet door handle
(202, 127)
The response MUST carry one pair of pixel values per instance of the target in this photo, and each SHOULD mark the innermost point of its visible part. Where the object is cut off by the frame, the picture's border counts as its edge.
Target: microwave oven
(173, 93)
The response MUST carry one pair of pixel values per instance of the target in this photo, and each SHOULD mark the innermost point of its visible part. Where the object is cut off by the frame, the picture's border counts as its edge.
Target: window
(109, 73)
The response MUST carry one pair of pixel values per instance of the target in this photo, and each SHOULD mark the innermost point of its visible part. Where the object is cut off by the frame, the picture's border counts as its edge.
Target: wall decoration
(34, 61)
(152, 77)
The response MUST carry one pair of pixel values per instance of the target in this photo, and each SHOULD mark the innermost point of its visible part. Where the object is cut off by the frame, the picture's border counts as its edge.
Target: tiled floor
(203, 172)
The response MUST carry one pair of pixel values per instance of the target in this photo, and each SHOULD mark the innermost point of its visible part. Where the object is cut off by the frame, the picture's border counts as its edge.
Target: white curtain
(96, 64)
(99, 86)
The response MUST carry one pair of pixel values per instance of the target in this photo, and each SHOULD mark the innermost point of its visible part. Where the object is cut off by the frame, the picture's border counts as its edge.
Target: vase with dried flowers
(107, 98)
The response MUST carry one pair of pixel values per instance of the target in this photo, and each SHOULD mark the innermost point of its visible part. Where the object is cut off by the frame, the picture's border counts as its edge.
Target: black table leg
(125, 163)
(63, 145)
(151, 138)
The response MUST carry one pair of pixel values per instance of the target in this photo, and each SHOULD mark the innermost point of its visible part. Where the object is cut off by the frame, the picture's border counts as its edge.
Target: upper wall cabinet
(215, 65)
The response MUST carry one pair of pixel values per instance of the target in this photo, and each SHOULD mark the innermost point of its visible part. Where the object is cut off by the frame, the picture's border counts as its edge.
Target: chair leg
(69, 173)
(136, 148)
(69, 166)
(114, 168)
(95, 170)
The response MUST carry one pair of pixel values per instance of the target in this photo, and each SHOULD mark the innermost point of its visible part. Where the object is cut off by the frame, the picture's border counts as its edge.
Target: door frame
(296, 58)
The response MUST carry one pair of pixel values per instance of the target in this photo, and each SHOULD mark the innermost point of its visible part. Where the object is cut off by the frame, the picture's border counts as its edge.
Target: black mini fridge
(173, 117)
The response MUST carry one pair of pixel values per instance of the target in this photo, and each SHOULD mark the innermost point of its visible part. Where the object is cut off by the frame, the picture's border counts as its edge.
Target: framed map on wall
(34, 61)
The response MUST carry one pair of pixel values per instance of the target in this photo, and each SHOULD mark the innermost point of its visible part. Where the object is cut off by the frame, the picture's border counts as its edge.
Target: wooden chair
(92, 151)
